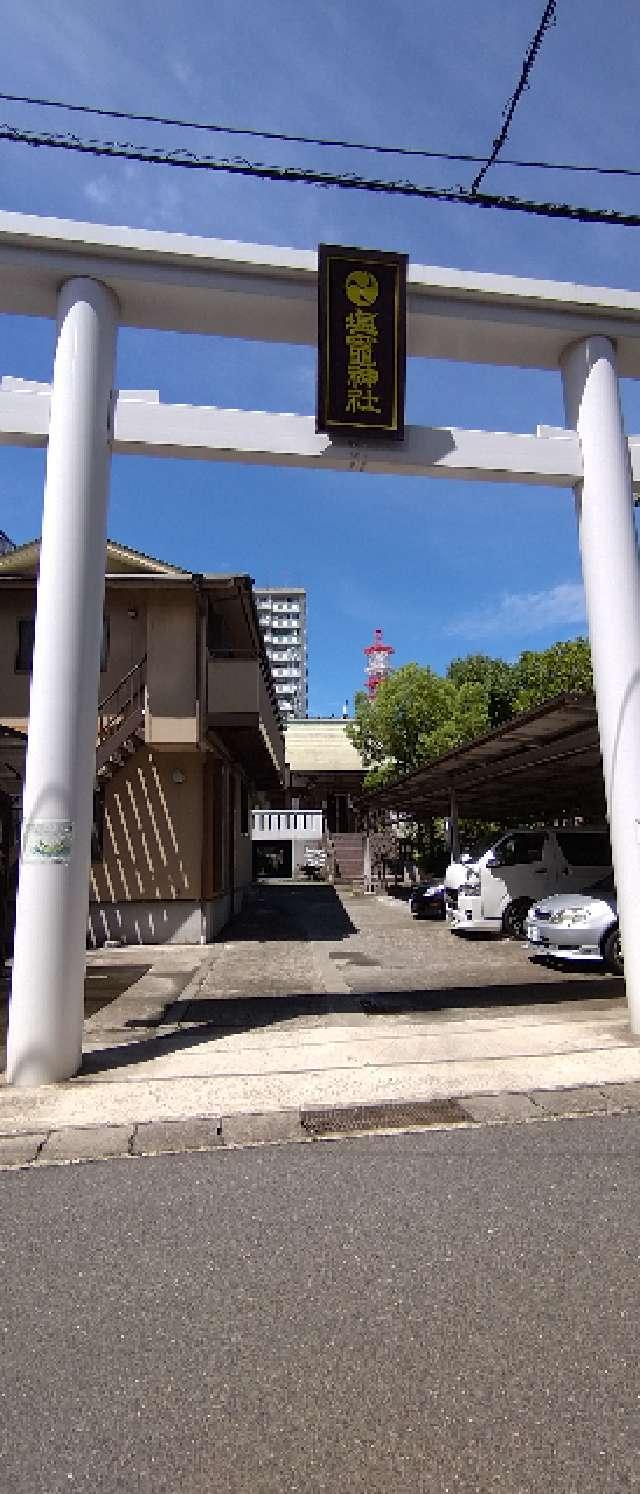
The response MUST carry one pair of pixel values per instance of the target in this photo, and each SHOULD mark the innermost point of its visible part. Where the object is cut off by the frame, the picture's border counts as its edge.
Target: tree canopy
(417, 714)
(563, 668)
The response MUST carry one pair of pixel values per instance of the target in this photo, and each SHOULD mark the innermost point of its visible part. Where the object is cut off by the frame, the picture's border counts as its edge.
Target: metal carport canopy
(543, 763)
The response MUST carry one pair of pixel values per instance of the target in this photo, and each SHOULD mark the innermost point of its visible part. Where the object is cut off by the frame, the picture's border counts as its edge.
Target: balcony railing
(285, 823)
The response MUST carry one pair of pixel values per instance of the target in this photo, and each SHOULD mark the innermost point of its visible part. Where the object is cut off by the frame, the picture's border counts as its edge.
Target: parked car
(578, 926)
(428, 900)
(456, 872)
(499, 888)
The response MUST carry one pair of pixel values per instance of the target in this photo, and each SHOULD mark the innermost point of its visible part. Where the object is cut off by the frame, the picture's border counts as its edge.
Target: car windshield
(475, 851)
(604, 888)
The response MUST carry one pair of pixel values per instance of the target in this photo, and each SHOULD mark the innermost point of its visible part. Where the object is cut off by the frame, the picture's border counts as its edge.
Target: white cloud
(182, 72)
(520, 613)
(158, 197)
(99, 191)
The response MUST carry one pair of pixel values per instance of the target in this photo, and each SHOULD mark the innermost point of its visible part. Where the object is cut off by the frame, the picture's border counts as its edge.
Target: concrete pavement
(451, 1311)
(317, 1002)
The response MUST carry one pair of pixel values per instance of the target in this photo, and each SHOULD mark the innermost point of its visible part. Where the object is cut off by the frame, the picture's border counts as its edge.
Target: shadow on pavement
(201, 1021)
(101, 987)
(291, 911)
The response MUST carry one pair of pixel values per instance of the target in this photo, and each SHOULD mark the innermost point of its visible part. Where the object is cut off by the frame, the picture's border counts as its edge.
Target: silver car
(578, 926)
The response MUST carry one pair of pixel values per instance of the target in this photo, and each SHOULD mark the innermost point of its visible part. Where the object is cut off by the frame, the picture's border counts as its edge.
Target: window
(524, 849)
(584, 847)
(24, 656)
(26, 634)
(606, 887)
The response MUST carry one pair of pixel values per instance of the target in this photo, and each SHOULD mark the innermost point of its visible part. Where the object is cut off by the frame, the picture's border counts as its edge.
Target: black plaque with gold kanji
(361, 342)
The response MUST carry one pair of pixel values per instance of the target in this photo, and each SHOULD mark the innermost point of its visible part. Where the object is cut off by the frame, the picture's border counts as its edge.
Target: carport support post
(454, 827)
(47, 1006)
(611, 569)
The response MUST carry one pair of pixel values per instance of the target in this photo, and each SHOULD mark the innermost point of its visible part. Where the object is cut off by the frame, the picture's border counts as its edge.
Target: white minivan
(520, 868)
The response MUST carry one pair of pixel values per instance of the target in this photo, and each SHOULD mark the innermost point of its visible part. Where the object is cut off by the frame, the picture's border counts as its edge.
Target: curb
(71, 1144)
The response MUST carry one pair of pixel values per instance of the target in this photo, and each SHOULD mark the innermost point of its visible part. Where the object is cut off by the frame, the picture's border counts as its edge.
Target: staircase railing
(123, 706)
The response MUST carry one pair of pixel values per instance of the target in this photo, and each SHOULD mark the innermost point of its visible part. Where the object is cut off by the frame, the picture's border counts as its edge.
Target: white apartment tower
(282, 611)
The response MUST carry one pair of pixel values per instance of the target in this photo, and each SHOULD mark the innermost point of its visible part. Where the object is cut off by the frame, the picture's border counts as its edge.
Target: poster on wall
(361, 342)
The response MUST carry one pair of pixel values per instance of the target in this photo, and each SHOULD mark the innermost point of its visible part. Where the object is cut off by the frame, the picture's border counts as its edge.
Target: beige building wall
(166, 872)
(158, 838)
(126, 615)
(127, 635)
(171, 670)
(152, 838)
(15, 603)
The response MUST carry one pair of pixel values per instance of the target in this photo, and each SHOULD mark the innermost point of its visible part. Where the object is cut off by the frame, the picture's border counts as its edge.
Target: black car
(428, 900)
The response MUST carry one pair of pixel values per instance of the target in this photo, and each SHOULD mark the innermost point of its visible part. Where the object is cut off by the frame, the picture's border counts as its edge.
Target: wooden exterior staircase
(121, 723)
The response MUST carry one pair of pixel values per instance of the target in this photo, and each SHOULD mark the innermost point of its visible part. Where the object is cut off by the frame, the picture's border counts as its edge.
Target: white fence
(287, 824)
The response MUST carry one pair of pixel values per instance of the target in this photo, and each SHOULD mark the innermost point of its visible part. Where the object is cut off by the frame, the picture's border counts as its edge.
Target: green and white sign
(47, 841)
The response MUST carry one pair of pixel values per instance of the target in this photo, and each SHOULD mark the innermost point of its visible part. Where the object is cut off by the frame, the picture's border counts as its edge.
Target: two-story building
(188, 734)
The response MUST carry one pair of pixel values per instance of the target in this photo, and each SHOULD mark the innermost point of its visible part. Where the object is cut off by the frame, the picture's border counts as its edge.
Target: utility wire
(221, 129)
(508, 112)
(382, 150)
(238, 167)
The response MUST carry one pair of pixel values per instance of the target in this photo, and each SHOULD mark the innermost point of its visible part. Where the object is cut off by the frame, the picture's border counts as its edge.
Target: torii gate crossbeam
(94, 278)
(143, 426)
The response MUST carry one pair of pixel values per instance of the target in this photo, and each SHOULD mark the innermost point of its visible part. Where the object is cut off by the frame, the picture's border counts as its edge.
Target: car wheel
(612, 952)
(515, 917)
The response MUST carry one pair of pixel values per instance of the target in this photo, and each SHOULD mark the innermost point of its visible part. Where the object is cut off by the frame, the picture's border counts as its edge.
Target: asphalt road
(448, 1311)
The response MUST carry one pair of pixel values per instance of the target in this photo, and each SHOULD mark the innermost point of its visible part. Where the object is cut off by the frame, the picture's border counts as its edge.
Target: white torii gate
(94, 278)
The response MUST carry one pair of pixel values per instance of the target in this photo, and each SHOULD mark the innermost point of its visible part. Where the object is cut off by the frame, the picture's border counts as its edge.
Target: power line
(508, 113)
(464, 157)
(249, 132)
(236, 166)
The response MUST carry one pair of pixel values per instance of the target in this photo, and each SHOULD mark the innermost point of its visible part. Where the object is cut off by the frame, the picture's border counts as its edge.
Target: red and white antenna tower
(377, 667)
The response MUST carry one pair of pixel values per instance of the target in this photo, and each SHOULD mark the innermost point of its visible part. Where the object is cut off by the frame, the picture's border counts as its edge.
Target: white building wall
(283, 618)
(303, 827)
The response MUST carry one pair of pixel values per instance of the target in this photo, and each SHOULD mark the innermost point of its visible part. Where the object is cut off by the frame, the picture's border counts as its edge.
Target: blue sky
(445, 568)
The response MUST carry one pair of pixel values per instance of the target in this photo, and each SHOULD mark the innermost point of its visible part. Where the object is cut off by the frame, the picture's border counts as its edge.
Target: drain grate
(343, 1118)
(353, 958)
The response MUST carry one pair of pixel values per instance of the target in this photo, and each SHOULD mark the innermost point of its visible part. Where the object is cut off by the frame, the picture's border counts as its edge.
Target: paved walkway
(312, 1003)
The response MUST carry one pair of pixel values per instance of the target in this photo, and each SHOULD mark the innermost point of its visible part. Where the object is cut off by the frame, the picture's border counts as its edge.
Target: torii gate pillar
(47, 999)
(611, 569)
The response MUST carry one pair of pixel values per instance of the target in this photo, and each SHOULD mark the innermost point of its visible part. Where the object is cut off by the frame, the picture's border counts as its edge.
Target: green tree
(562, 669)
(497, 678)
(415, 715)
(464, 717)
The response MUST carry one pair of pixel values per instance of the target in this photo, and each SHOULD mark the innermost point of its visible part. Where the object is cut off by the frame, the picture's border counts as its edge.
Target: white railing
(285, 824)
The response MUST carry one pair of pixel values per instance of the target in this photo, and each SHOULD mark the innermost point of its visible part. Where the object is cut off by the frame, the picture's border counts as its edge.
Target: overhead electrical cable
(510, 109)
(236, 166)
(464, 157)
